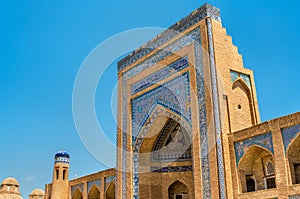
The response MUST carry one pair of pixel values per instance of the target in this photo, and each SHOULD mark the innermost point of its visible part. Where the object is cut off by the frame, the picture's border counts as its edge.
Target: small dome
(63, 154)
(10, 181)
(37, 192)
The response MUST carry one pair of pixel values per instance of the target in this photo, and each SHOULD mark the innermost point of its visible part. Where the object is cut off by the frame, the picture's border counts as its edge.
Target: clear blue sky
(44, 43)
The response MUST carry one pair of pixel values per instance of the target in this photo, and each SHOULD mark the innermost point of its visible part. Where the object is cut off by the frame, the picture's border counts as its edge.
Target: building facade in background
(190, 125)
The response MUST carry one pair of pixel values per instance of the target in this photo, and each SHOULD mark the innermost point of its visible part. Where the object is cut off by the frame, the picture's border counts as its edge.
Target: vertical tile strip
(216, 111)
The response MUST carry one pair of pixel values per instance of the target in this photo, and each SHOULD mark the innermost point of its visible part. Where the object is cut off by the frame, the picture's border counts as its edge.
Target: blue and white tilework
(173, 95)
(158, 111)
(172, 169)
(289, 134)
(216, 110)
(264, 140)
(235, 75)
(192, 37)
(178, 65)
(96, 183)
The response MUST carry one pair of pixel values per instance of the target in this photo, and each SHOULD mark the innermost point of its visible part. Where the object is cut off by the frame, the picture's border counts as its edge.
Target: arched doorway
(77, 194)
(110, 192)
(256, 170)
(178, 190)
(165, 156)
(294, 160)
(94, 193)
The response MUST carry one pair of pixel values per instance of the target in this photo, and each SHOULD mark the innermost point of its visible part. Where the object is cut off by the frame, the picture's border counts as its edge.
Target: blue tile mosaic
(192, 37)
(160, 75)
(216, 110)
(289, 134)
(96, 183)
(159, 110)
(172, 169)
(164, 95)
(235, 75)
(264, 140)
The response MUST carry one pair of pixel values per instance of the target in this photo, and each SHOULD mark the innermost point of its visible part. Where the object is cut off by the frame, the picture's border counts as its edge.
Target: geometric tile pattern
(174, 95)
(216, 112)
(97, 183)
(264, 140)
(172, 169)
(289, 134)
(191, 37)
(158, 111)
(160, 75)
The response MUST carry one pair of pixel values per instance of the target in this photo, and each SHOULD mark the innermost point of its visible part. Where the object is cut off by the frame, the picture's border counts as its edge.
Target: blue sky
(44, 43)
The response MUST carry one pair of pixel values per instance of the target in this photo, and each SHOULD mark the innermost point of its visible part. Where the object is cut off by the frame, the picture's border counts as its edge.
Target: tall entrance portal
(179, 96)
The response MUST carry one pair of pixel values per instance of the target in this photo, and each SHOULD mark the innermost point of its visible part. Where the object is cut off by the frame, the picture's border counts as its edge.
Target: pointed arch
(293, 157)
(150, 132)
(242, 105)
(77, 194)
(177, 190)
(159, 112)
(94, 193)
(256, 169)
(110, 191)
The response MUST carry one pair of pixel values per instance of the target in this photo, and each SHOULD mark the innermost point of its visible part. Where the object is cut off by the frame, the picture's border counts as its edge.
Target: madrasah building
(190, 126)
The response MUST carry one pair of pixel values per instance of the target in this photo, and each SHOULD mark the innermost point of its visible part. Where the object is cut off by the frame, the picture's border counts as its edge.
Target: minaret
(60, 181)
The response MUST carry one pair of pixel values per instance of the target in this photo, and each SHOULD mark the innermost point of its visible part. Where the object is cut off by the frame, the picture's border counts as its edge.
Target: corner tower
(60, 180)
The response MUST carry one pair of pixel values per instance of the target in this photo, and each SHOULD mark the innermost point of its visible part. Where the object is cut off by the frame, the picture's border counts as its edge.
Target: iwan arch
(190, 125)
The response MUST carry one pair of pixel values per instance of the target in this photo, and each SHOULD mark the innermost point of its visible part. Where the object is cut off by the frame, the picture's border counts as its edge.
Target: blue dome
(63, 154)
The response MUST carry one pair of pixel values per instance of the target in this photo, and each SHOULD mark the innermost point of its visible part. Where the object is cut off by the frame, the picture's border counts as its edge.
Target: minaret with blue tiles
(60, 180)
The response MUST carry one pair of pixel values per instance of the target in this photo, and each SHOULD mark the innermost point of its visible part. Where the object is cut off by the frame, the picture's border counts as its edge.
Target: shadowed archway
(256, 169)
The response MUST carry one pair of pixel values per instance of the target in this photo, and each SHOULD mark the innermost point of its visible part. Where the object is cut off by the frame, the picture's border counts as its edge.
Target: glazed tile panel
(174, 95)
(264, 140)
(160, 75)
(289, 134)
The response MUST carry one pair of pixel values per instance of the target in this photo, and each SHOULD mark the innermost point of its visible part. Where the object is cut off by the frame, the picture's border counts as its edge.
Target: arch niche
(77, 194)
(256, 170)
(294, 160)
(94, 193)
(242, 106)
(110, 191)
(164, 156)
(178, 190)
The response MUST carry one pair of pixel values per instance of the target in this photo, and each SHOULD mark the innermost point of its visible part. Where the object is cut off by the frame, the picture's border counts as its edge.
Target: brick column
(280, 164)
